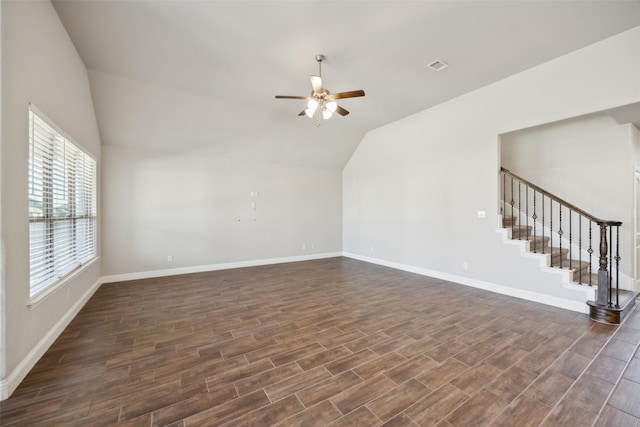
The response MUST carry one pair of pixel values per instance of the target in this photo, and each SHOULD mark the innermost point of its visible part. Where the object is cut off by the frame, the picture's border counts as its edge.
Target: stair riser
(555, 258)
(508, 221)
(538, 243)
(585, 278)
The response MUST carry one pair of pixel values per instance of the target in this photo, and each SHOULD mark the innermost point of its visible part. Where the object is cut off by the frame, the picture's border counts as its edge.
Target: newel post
(603, 274)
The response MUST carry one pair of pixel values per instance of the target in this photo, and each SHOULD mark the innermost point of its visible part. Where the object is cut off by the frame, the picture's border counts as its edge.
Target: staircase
(535, 215)
(580, 271)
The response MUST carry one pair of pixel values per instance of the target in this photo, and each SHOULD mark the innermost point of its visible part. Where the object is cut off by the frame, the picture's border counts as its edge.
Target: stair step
(585, 278)
(537, 242)
(508, 221)
(521, 234)
(554, 252)
(579, 269)
(520, 231)
(571, 264)
(524, 234)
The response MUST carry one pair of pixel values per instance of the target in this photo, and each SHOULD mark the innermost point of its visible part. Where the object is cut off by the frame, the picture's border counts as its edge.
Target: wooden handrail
(561, 201)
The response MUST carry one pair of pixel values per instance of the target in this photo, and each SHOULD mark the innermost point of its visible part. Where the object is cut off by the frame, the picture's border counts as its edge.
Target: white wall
(589, 162)
(2, 296)
(635, 142)
(413, 188)
(40, 66)
(196, 207)
(635, 138)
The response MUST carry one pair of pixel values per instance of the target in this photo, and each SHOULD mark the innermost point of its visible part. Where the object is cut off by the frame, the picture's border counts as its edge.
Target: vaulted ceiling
(174, 75)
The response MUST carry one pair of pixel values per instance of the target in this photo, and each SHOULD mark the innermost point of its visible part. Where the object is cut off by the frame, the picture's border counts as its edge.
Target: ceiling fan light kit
(321, 103)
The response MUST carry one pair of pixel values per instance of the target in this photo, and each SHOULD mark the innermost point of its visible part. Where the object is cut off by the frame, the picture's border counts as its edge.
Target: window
(62, 206)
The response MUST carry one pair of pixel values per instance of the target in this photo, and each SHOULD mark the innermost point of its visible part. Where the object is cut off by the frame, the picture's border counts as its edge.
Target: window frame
(75, 172)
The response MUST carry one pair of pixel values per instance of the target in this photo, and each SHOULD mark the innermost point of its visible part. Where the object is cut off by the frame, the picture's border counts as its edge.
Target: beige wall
(197, 208)
(40, 66)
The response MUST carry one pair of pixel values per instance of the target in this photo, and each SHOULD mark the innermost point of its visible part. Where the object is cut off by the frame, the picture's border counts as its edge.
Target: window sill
(45, 293)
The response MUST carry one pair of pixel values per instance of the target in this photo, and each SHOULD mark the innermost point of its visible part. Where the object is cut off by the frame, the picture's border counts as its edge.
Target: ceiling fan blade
(350, 94)
(291, 97)
(340, 111)
(316, 82)
(302, 113)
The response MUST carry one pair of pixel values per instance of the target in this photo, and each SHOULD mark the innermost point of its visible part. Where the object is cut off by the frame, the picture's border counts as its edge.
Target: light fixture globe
(312, 106)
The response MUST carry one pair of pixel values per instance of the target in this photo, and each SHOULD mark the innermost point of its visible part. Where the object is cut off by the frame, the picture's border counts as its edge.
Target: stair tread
(538, 238)
(519, 227)
(573, 264)
(554, 251)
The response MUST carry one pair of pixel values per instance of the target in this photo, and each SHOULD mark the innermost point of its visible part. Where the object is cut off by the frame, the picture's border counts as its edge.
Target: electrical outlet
(304, 247)
(465, 265)
(482, 214)
(169, 258)
(371, 249)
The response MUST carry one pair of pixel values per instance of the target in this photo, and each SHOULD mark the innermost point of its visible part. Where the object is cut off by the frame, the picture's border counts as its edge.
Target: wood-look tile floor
(334, 342)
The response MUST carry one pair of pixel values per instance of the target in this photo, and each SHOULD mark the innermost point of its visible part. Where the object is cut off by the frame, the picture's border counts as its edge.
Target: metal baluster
(543, 222)
(560, 232)
(570, 246)
(534, 217)
(504, 196)
(513, 223)
(580, 244)
(519, 212)
(527, 208)
(610, 266)
(590, 251)
(617, 266)
(551, 229)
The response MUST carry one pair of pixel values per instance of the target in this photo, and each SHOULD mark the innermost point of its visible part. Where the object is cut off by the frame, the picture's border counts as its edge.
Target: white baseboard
(487, 286)
(11, 382)
(214, 267)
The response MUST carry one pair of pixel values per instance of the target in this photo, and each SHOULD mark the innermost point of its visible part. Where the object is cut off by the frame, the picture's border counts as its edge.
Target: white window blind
(62, 205)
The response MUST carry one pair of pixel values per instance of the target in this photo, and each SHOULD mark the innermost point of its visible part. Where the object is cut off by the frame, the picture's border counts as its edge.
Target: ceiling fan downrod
(320, 57)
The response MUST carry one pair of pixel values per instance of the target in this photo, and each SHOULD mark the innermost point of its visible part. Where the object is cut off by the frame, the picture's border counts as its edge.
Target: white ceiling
(239, 54)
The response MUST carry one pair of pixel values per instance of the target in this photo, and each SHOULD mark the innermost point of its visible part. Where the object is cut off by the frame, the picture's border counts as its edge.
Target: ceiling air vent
(438, 65)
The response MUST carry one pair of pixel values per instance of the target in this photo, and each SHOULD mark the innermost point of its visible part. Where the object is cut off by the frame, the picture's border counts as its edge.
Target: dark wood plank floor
(331, 342)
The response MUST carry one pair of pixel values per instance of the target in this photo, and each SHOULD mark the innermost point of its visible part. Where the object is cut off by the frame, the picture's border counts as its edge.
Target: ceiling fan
(322, 103)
